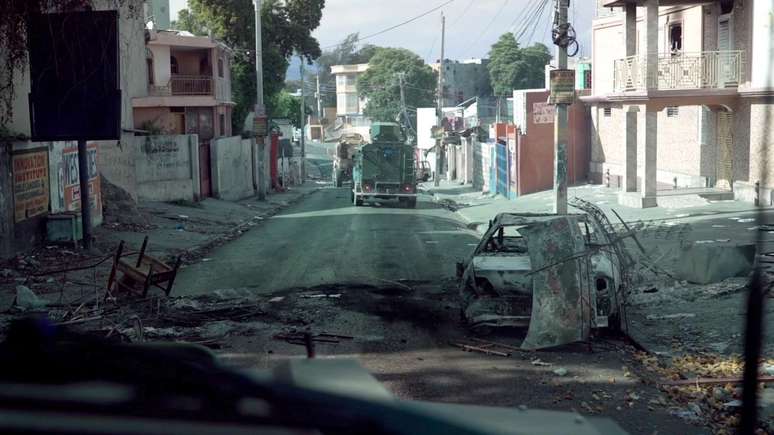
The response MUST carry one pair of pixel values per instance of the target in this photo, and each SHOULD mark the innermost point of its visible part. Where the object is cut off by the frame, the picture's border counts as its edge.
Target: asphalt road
(327, 240)
(385, 276)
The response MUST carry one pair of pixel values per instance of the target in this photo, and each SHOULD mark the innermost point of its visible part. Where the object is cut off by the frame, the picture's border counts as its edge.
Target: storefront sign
(543, 113)
(562, 86)
(30, 184)
(72, 187)
(260, 126)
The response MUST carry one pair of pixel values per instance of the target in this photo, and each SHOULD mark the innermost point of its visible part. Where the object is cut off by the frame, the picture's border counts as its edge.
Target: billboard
(30, 184)
(71, 186)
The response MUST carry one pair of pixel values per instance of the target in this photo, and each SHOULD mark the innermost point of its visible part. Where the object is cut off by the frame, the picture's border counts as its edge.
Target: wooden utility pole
(439, 110)
(319, 100)
(560, 122)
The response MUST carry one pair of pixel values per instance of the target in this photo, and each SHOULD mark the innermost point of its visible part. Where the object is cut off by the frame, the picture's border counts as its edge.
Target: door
(725, 167)
(726, 61)
(205, 169)
(502, 169)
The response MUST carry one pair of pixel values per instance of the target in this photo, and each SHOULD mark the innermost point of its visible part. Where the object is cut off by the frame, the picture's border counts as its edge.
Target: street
(385, 276)
(327, 240)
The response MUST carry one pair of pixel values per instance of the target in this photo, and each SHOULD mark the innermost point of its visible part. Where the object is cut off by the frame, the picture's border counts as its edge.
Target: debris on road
(560, 371)
(300, 338)
(670, 316)
(705, 264)
(540, 363)
(26, 299)
(473, 348)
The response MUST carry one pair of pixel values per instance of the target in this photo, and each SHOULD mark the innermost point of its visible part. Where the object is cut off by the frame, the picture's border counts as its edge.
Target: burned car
(558, 275)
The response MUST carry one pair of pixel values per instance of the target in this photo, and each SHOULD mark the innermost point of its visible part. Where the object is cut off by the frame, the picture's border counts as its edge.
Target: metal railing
(707, 69)
(184, 85)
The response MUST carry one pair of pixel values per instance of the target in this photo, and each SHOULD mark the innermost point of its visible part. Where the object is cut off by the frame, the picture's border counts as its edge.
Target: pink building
(189, 90)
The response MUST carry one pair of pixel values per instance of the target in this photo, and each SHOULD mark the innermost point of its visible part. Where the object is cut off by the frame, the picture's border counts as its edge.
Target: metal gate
(725, 162)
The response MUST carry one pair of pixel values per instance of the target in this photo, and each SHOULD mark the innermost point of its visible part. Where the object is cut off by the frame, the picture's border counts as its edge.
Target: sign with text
(72, 188)
(30, 184)
(562, 86)
(260, 126)
(543, 113)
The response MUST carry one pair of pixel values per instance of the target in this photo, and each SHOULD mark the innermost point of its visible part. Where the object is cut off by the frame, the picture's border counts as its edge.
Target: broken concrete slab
(704, 264)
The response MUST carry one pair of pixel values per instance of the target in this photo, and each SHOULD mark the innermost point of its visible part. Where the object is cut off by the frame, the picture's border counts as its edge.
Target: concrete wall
(6, 202)
(232, 170)
(167, 167)
(761, 59)
(161, 65)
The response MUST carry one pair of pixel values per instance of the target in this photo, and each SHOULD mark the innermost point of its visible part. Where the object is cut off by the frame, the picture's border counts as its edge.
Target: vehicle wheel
(358, 201)
(426, 177)
(352, 196)
(412, 203)
(402, 202)
(339, 181)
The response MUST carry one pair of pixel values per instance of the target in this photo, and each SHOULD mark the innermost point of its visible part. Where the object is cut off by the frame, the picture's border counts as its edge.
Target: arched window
(173, 65)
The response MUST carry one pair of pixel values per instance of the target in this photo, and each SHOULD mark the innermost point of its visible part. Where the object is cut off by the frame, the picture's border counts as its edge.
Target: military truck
(343, 159)
(384, 168)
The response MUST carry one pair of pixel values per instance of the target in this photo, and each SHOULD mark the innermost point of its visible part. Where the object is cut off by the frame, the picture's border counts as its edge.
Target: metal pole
(303, 118)
(83, 176)
(439, 108)
(260, 109)
(560, 125)
(319, 100)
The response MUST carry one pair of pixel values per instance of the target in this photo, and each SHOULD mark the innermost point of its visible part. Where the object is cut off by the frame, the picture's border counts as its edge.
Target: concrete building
(464, 80)
(682, 97)
(157, 12)
(349, 105)
(189, 91)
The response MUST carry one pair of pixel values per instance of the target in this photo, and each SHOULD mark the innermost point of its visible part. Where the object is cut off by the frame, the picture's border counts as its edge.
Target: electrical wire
(487, 27)
(395, 26)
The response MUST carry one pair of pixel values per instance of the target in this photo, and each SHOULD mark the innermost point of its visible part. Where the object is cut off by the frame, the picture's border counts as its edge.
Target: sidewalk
(62, 276)
(478, 208)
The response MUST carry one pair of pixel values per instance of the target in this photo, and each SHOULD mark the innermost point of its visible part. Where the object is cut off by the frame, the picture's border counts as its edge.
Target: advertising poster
(71, 184)
(543, 113)
(30, 184)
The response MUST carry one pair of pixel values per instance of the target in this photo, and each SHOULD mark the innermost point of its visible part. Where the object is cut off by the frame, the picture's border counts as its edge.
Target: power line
(537, 23)
(488, 26)
(397, 25)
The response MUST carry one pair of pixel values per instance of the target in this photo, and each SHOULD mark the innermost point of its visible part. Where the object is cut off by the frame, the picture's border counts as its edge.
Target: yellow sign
(30, 184)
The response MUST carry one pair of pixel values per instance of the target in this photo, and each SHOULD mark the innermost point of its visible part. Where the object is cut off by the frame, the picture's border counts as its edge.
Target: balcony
(181, 85)
(704, 70)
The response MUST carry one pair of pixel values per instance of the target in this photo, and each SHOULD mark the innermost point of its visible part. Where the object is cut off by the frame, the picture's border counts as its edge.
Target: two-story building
(463, 80)
(683, 97)
(189, 90)
(349, 105)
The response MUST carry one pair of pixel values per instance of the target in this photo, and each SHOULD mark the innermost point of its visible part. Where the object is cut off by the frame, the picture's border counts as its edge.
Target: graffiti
(160, 146)
(30, 185)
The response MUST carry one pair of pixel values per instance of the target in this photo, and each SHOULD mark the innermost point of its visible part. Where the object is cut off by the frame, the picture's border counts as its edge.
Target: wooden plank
(715, 381)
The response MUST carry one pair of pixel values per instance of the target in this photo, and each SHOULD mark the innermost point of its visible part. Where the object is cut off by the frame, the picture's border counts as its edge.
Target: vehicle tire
(482, 330)
(412, 203)
(426, 177)
(352, 196)
(339, 181)
(402, 202)
(358, 200)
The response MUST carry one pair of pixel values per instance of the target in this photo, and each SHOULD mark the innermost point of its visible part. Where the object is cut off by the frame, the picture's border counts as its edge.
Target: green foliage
(379, 84)
(289, 107)
(512, 67)
(189, 22)
(286, 28)
(344, 54)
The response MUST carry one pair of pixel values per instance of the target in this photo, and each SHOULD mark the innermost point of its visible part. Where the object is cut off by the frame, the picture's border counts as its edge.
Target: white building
(682, 97)
(348, 102)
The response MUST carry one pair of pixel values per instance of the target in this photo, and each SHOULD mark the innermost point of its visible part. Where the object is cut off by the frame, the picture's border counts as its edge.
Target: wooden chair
(142, 273)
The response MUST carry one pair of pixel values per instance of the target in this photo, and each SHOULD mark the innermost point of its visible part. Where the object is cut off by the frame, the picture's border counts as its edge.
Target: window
(672, 111)
(220, 67)
(173, 68)
(149, 63)
(676, 38)
(608, 112)
(177, 109)
(222, 124)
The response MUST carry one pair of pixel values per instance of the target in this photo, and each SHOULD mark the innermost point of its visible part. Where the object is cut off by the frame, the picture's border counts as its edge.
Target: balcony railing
(708, 69)
(184, 85)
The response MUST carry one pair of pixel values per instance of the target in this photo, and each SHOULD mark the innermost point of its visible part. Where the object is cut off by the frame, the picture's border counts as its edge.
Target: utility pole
(260, 109)
(560, 120)
(319, 100)
(439, 110)
(303, 118)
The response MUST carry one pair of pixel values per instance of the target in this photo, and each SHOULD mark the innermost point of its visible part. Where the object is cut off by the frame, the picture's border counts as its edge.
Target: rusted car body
(555, 274)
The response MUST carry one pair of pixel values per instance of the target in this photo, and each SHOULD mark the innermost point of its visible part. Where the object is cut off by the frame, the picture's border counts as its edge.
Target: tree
(379, 84)
(344, 53)
(286, 29)
(189, 22)
(512, 67)
(288, 106)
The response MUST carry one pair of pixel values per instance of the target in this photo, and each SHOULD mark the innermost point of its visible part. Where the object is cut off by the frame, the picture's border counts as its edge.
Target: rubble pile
(703, 401)
(119, 208)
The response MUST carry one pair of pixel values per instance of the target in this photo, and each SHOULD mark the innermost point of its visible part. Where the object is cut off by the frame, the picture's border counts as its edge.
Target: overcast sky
(472, 26)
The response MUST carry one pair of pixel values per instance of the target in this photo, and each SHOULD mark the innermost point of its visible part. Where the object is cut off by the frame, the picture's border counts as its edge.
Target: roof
(354, 68)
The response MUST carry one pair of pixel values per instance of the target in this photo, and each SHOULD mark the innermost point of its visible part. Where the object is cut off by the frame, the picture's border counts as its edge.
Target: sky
(472, 26)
